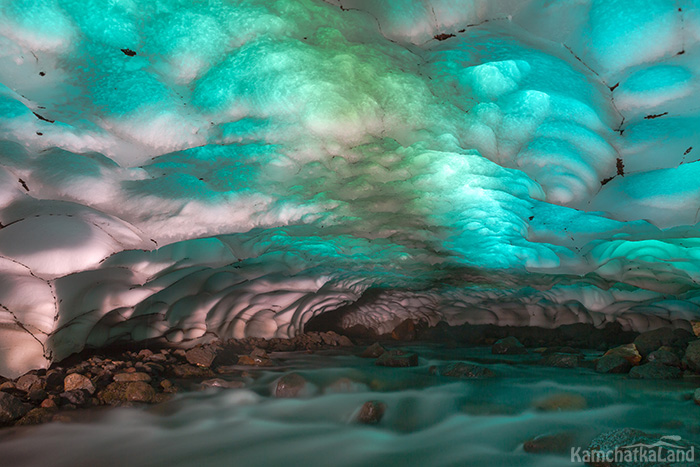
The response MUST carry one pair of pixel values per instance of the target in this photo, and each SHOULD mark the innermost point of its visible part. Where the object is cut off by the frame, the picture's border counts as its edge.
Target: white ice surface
(191, 170)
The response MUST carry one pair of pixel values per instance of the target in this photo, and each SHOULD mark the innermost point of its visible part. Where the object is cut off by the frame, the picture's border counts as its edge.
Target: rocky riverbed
(504, 403)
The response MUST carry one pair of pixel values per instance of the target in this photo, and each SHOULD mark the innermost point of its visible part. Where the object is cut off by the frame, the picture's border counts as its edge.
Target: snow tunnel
(184, 171)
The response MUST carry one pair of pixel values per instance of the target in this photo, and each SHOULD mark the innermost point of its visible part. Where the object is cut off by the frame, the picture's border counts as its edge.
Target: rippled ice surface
(430, 420)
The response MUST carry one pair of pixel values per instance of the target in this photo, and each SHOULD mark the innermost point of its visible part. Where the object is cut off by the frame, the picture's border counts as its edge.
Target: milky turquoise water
(429, 420)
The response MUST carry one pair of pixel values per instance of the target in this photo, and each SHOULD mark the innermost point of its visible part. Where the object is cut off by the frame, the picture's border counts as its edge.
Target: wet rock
(692, 355)
(7, 386)
(397, 359)
(615, 439)
(11, 408)
(37, 416)
(25, 382)
(144, 354)
(628, 351)
(613, 364)
(77, 381)
(221, 383)
(113, 394)
(664, 356)
(371, 412)
(655, 370)
(373, 351)
(649, 341)
(467, 370)
(190, 371)
(76, 397)
(508, 346)
(258, 357)
(561, 402)
(200, 356)
(36, 395)
(167, 385)
(565, 349)
(139, 391)
(562, 360)
(558, 443)
(48, 404)
(290, 385)
(344, 341)
(406, 331)
(136, 376)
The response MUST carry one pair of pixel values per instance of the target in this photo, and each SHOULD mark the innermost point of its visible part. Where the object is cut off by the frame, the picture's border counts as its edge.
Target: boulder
(397, 359)
(466, 370)
(628, 351)
(613, 364)
(406, 331)
(77, 397)
(561, 402)
(373, 351)
(139, 391)
(508, 346)
(371, 412)
(75, 381)
(649, 341)
(25, 382)
(692, 355)
(37, 416)
(200, 356)
(562, 360)
(664, 356)
(119, 392)
(655, 370)
(130, 377)
(290, 385)
(11, 408)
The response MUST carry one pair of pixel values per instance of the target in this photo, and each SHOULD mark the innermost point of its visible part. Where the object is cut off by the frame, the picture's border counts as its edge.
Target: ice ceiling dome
(184, 169)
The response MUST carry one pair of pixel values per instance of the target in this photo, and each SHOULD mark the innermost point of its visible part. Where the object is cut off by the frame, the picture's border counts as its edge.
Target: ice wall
(186, 170)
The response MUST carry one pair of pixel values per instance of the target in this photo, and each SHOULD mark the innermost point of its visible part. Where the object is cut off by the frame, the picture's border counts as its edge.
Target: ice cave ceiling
(190, 169)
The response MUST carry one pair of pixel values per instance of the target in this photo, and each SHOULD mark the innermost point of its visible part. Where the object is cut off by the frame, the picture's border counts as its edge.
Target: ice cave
(349, 232)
